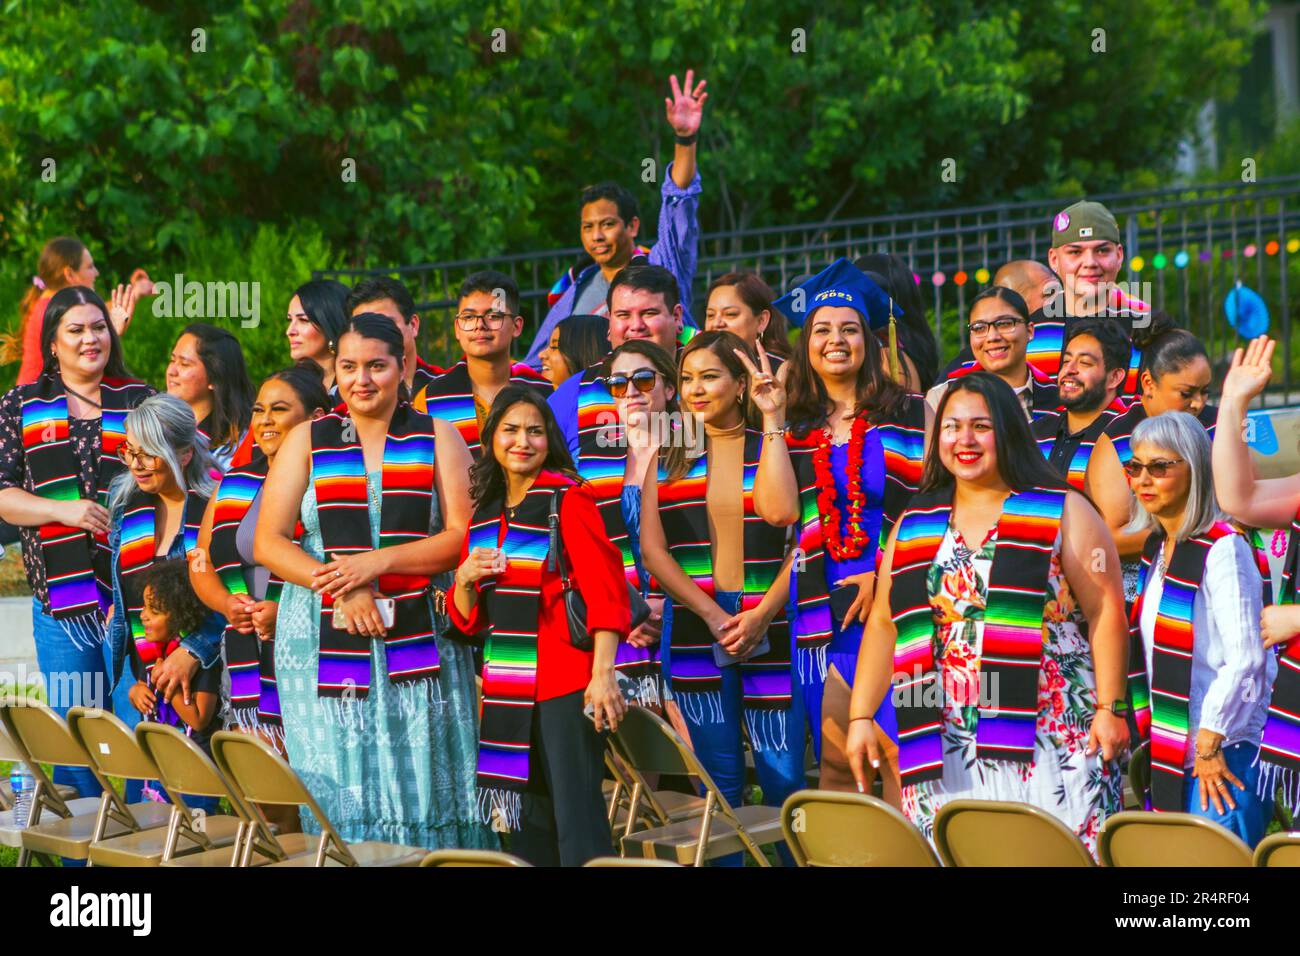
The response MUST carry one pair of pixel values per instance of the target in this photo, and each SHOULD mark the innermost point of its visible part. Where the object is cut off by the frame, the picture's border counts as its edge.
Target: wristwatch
(1117, 707)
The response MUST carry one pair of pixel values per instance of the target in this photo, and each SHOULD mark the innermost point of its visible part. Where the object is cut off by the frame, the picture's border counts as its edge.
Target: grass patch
(13, 579)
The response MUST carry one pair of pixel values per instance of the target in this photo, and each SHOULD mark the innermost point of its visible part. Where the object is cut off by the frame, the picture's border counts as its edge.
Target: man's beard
(1089, 400)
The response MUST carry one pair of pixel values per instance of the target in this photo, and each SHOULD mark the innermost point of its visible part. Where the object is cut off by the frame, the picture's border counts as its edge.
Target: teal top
(398, 765)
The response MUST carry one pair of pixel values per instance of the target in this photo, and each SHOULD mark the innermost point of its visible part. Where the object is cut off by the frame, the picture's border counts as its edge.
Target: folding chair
(1278, 849)
(11, 834)
(113, 747)
(998, 833)
(632, 861)
(827, 828)
(1141, 838)
(47, 739)
(471, 858)
(631, 800)
(652, 746)
(260, 775)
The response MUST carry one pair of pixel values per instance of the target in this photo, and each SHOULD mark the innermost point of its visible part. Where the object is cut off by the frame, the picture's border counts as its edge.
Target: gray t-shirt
(591, 298)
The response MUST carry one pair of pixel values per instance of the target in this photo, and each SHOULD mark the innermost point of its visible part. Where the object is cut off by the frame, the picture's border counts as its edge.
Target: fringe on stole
(1272, 778)
(647, 693)
(700, 707)
(811, 663)
(247, 720)
(499, 808)
(350, 712)
(767, 729)
(86, 632)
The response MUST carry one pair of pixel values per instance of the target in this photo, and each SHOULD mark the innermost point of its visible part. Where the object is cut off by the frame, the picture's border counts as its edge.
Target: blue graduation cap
(844, 284)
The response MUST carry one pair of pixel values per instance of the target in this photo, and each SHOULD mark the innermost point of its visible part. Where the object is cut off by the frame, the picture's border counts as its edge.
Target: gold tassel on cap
(895, 366)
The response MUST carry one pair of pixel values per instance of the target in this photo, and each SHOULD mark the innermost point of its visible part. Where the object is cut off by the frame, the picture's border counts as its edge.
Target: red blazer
(596, 569)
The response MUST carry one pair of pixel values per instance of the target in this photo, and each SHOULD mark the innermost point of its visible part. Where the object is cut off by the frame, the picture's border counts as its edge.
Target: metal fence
(1185, 247)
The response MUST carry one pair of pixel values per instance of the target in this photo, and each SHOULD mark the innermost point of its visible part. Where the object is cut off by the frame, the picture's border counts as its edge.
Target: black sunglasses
(642, 378)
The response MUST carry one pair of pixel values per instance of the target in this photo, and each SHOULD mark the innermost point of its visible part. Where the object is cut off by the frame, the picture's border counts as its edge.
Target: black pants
(562, 814)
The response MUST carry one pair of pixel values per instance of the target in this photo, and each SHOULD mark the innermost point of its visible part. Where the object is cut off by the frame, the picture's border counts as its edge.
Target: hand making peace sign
(767, 390)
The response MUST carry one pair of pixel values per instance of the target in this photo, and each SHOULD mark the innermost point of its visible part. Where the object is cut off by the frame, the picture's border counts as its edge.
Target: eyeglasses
(1004, 326)
(642, 378)
(1133, 468)
(131, 457)
(469, 321)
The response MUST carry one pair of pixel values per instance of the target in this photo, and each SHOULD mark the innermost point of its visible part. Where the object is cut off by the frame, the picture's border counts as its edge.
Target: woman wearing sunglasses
(1173, 376)
(1200, 591)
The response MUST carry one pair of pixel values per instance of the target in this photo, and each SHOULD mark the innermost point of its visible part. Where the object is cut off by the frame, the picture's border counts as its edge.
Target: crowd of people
(788, 525)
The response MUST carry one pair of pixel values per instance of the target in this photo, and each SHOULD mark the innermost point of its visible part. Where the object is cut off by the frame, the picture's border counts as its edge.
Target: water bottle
(24, 785)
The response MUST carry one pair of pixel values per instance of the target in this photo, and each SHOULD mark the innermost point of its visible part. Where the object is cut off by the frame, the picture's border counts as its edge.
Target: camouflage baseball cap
(1084, 221)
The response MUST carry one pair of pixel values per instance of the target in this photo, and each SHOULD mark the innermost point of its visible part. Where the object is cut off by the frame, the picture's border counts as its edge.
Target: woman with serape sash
(849, 464)
(545, 699)
(156, 508)
(59, 438)
(377, 707)
(727, 658)
(227, 578)
(1175, 376)
(1200, 677)
(1001, 632)
(1266, 503)
(207, 372)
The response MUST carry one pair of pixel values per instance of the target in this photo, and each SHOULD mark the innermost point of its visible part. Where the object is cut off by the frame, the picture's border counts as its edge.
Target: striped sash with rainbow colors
(450, 397)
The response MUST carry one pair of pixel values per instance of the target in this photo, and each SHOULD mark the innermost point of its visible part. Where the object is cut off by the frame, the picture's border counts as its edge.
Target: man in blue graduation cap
(844, 284)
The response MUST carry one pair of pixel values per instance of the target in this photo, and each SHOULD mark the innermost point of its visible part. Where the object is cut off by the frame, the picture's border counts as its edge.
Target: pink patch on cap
(1061, 222)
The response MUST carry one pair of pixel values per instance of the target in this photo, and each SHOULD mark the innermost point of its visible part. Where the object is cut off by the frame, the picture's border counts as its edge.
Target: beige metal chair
(471, 858)
(654, 808)
(260, 775)
(828, 828)
(1278, 849)
(997, 833)
(11, 833)
(114, 748)
(630, 861)
(652, 746)
(46, 738)
(1140, 838)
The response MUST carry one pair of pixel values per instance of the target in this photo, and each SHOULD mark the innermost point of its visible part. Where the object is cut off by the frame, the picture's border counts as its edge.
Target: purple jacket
(676, 249)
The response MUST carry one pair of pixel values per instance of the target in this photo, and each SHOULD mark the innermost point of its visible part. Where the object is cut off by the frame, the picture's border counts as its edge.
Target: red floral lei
(839, 548)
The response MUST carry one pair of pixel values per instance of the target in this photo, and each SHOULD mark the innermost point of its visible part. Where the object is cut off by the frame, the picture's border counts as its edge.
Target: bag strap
(555, 553)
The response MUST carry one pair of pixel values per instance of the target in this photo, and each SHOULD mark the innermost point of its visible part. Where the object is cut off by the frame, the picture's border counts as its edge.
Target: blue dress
(398, 765)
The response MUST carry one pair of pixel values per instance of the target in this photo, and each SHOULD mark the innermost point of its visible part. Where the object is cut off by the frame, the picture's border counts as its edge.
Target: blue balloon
(1246, 311)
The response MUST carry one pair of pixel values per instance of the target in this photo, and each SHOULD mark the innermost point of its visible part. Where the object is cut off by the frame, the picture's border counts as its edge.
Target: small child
(170, 611)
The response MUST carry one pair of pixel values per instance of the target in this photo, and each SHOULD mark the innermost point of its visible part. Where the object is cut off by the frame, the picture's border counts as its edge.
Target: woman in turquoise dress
(378, 705)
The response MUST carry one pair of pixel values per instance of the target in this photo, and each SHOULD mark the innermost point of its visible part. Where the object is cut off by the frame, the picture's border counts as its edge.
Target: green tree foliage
(471, 125)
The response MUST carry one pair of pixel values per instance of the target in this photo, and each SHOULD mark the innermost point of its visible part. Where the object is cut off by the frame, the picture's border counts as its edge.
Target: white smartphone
(387, 613)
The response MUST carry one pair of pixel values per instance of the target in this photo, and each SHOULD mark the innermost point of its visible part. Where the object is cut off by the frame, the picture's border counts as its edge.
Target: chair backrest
(44, 735)
(630, 861)
(9, 751)
(110, 743)
(1141, 838)
(1278, 849)
(260, 775)
(1139, 771)
(827, 828)
(471, 858)
(651, 745)
(182, 765)
(996, 833)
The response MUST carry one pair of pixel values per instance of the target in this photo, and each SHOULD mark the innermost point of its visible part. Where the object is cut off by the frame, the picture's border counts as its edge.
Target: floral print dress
(1079, 790)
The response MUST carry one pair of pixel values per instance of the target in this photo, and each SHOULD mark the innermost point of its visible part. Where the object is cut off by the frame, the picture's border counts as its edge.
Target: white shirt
(1024, 393)
(1232, 673)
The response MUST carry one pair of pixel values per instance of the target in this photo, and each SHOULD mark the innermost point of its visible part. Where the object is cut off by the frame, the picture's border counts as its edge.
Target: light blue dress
(398, 765)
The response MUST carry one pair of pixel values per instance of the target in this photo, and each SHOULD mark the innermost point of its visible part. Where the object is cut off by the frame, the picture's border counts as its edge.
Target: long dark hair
(381, 328)
(915, 336)
(232, 392)
(486, 480)
(307, 379)
(672, 455)
(758, 296)
(583, 341)
(1020, 464)
(879, 396)
(56, 308)
(1165, 347)
(322, 301)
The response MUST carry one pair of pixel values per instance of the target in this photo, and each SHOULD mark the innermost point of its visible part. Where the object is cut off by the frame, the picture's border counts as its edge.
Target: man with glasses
(487, 323)
(999, 332)
(386, 296)
(608, 224)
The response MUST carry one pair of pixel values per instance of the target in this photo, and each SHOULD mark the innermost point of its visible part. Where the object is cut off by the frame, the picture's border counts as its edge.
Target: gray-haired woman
(155, 510)
(1200, 677)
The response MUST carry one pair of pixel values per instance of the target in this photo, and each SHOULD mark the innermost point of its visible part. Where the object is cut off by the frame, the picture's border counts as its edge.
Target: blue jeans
(71, 656)
(715, 727)
(1250, 818)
